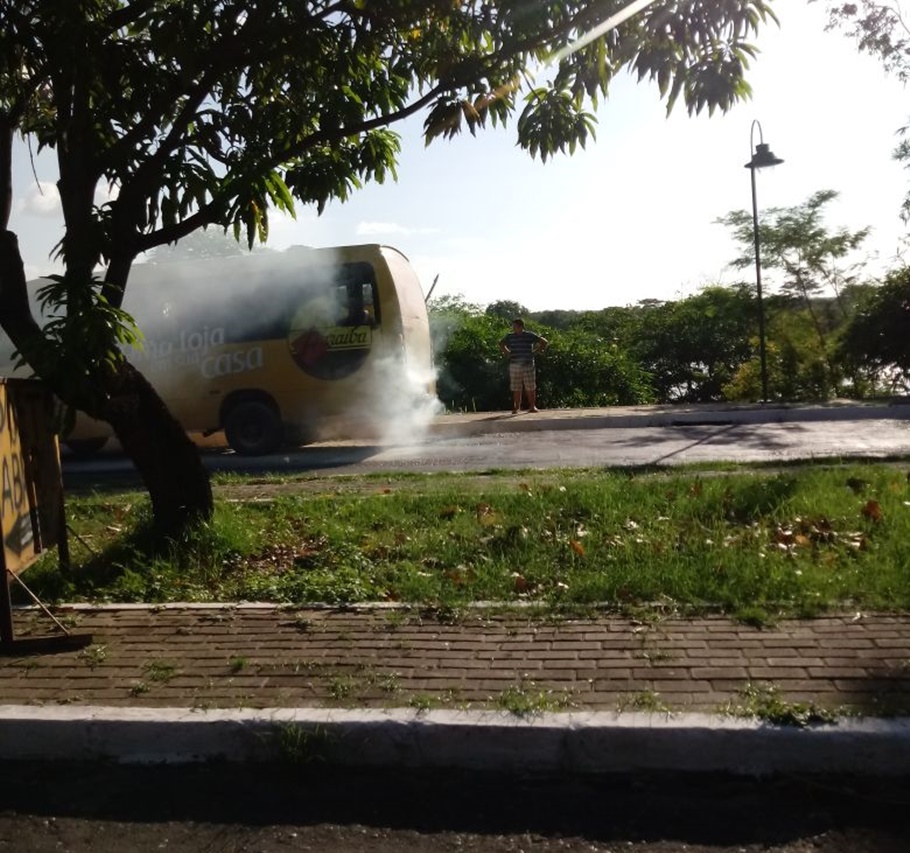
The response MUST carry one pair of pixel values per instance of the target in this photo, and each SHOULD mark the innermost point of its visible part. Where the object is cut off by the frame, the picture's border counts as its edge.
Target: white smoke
(399, 402)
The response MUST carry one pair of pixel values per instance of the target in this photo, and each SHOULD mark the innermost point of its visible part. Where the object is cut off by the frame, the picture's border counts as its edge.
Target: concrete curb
(496, 741)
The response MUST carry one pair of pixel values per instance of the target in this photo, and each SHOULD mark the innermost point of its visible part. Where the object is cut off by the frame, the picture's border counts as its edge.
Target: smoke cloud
(397, 405)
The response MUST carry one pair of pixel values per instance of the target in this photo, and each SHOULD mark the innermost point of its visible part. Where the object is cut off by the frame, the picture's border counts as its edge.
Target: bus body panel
(326, 337)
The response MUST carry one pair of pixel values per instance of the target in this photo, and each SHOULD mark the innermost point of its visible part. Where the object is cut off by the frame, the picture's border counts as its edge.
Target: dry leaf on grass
(872, 510)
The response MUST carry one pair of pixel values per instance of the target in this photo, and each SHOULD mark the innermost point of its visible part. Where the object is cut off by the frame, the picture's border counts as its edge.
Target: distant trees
(876, 342)
(467, 356)
(700, 349)
(693, 348)
(814, 280)
(579, 368)
(506, 310)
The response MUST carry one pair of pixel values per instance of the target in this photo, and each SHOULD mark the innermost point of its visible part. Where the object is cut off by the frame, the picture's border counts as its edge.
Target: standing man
(520, 347)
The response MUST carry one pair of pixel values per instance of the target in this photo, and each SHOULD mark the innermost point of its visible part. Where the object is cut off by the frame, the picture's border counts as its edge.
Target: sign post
(32, 515)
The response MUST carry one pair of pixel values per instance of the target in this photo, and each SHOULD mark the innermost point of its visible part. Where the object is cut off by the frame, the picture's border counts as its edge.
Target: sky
(630, 217)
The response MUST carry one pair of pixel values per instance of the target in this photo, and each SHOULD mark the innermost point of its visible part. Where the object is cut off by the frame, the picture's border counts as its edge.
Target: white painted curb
(601, 742)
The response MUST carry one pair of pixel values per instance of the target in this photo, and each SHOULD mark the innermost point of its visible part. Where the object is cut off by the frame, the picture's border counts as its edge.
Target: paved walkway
(478, 423)
(253, 656)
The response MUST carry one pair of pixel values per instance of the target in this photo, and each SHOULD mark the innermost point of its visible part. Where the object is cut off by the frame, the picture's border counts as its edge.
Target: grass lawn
(752, 542)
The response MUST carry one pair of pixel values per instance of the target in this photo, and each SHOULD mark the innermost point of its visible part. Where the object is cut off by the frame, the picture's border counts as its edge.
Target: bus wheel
(85, 446)
(253, 428)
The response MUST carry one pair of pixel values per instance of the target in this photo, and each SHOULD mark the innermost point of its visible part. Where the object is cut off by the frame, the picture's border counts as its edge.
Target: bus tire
(253, 428)
(84, 447)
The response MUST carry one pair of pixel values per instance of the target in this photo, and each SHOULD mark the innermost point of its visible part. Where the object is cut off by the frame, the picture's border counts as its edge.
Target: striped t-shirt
(520, 346)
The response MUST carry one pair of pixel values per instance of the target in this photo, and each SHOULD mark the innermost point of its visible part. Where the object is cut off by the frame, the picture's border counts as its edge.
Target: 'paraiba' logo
(328, 341)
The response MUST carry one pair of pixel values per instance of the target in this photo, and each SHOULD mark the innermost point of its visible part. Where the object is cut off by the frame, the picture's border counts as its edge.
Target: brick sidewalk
(266, 657)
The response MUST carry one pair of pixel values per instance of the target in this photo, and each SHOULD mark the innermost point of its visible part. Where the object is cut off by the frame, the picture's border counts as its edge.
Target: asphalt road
(575, 448)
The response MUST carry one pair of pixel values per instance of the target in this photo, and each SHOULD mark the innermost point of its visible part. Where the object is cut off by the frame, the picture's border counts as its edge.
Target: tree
(201, 112)
(693, 347)
(506, 310)
(877, 339)
(811, 258)
(579, 369)
(557, 318)
(470, 369)
(879, 28)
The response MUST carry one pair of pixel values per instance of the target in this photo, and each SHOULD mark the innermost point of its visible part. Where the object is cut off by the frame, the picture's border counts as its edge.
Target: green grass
(764, 702)
(160, 671)
(754, 543)
(527, 700)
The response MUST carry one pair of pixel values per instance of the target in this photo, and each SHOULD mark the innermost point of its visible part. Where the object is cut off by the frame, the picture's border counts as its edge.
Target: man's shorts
(522, 375)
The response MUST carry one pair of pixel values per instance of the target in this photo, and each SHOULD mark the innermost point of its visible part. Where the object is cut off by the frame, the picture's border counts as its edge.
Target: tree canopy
(878, 337)
(796, 241)
(813, 260)
(215, 111)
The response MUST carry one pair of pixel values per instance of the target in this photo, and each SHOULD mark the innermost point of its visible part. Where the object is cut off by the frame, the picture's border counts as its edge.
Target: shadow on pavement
(700, 809)
(742, 435)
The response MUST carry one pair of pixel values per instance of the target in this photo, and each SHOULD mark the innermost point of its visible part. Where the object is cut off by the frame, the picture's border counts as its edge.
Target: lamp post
(761, 156)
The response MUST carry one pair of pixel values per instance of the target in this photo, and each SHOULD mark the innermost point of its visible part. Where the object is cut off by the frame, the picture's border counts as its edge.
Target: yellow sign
(31, 497)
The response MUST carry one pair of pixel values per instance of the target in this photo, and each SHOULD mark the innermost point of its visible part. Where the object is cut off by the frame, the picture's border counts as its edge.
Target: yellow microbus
(278, 347)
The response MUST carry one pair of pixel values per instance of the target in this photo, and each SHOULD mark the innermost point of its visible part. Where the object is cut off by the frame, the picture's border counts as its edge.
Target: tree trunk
(168, 462)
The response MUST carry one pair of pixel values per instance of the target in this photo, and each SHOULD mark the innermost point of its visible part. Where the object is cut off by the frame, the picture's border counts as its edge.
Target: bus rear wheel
(253, 428)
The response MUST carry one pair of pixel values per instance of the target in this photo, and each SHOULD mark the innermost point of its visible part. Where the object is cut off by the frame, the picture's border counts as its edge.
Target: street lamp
(762, 156)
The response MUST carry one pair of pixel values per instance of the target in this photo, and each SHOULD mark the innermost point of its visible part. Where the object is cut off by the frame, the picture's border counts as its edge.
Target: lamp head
(763, 157)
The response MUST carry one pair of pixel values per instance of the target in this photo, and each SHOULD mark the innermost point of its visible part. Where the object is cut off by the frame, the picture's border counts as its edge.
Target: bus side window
(349, 311)
(369, 303)
(356, 305)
